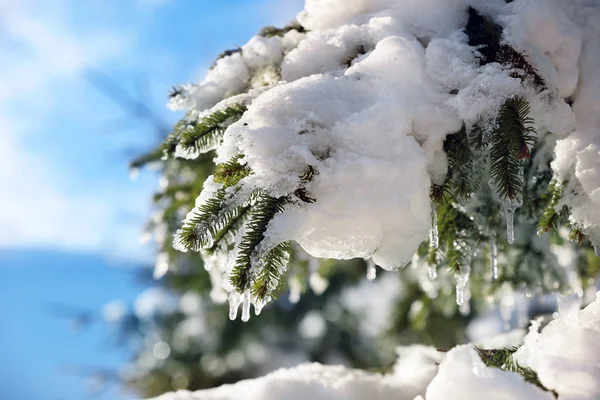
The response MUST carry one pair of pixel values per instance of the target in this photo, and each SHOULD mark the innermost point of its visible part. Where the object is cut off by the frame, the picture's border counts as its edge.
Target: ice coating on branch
(566, 354)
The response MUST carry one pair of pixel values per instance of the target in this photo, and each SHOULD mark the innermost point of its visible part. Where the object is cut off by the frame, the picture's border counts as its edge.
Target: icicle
(510, 223)
(234, 303)
(462, 279)
(433, 231)
(432, 272)
(258, 306)
(246, 306)
(494, 256)
(371, 270)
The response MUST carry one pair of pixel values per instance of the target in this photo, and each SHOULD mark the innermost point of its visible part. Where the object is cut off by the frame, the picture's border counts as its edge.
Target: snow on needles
(566, 356)
(365, 98)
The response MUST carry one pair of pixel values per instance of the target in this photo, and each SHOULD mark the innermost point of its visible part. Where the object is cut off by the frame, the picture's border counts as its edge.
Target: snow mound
(306, 381)
(463, 376)
(566, 354)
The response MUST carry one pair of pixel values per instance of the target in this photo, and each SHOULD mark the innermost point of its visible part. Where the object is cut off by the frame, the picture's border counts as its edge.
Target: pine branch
(269, 278)
(503, 359)
(271, 31)
(207, 134)
(263, 211)
(552, 218)
(231, 172)
(196, 231)
(463, 178)
(224, 230)
(509, 147)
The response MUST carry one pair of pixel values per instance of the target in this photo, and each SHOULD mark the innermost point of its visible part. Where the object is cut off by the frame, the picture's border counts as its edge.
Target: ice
(494, 256)
(235, 300)
(371, 270)
(295, 289)
(509, 211)
(433, 232)
(462, 280)
(506, 304)
(246, 306)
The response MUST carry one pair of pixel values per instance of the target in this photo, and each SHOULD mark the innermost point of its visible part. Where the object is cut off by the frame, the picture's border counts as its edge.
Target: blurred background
(83, 88)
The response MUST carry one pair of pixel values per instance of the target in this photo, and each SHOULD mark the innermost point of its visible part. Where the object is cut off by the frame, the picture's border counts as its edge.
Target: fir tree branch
(509, 146)
(224, 230)
(503, 359)
(271, 31)
(263, 211)
(269, 278)
(196, 232)
(207, 134)
(231, 172)
(552, 218)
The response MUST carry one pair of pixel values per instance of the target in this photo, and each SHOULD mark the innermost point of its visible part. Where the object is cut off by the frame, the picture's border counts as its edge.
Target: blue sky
(68, 209)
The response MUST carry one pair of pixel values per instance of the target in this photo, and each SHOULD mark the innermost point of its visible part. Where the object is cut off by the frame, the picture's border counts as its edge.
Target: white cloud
(40, 56)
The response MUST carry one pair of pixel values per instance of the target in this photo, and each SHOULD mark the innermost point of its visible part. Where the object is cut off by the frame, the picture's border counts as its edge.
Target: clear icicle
(462, 279)
(371, 270)
(234, 303)
(510, 222)
(433, 231)
(494, 256)
(258, 306)
(432, 272)
(246, 306)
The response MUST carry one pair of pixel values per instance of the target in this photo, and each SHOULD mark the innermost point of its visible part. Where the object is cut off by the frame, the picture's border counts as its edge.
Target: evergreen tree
(277, 149)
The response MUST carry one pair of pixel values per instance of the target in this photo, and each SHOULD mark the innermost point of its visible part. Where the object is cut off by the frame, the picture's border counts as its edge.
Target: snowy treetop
(336, 132)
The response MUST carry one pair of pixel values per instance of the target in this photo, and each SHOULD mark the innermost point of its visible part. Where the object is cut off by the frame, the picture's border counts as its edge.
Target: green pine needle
(509, 147)
(196, 232)
(503, 359)
(551, 217)
(231, 172)
(263, 211)
(206, 135)
(269, 279)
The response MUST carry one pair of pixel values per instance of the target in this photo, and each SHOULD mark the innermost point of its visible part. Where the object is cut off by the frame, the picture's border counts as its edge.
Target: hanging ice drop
(494, 256)
(234, 304)
(462, 278)
(371, 270)
(246, 306)
(434, 238)
(510, 223)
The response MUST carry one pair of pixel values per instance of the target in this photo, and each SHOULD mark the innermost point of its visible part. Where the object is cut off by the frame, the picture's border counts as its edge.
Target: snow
(463, 376)
(565, 355)
(366, 97)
